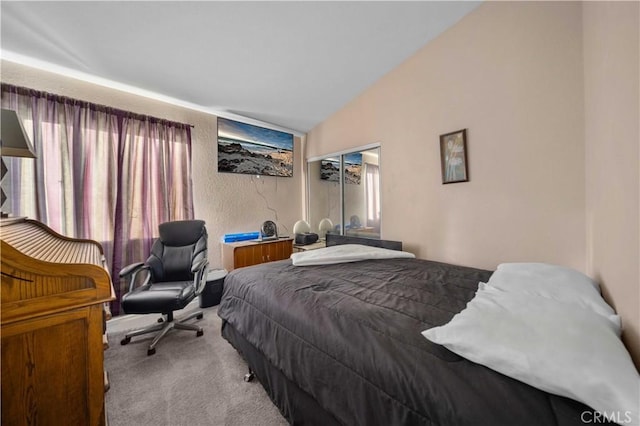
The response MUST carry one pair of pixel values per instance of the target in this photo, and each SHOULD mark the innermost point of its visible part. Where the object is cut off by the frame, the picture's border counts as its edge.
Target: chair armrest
(130, 269)
(199, 265)
(200, 277)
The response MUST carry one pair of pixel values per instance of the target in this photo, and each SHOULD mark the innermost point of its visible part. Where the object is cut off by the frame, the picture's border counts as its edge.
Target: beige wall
(612, 118)
(552, 143)
(227, 202)
(511, 73)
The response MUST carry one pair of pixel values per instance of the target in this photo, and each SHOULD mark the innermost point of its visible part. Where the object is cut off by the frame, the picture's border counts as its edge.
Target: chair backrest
(181, 245)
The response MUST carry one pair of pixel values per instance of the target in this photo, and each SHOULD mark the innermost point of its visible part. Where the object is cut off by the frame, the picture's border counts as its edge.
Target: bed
(342, 344)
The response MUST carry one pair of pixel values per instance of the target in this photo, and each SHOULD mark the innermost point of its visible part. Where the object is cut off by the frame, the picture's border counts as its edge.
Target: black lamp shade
(14, 142)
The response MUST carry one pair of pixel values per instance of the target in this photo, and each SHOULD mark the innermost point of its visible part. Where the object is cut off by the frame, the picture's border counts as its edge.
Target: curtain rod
(10, 88)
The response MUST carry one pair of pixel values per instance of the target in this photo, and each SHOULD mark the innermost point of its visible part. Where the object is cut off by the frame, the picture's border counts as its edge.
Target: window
(100, 173)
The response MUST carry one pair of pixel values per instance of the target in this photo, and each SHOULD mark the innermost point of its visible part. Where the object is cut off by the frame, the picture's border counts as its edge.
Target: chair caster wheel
(151, 351)
(199, 333)
(199, 316)
(248, 377)
(125, 341)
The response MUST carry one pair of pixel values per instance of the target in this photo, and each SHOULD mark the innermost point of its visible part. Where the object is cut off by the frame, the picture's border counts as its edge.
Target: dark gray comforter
(349, 336)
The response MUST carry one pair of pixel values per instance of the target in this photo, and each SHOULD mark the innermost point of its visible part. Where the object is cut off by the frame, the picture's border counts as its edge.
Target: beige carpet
(189, 381)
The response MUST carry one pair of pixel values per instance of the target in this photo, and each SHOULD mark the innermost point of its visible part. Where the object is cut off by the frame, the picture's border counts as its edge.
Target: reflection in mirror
(324, 195)
(360, 209)
(362, 193)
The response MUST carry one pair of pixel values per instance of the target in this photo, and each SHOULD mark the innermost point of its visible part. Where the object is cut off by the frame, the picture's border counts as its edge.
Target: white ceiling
(291, 64)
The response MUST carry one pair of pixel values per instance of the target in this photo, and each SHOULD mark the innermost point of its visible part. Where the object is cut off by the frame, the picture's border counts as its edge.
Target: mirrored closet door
(324, 195)
(344, 193)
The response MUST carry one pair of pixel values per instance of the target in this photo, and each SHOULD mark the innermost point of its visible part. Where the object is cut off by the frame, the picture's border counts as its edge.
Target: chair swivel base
(249, 376)
(164, 327)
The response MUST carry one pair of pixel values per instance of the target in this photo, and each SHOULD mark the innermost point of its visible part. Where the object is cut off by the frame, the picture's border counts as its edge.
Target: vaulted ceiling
(291, 64)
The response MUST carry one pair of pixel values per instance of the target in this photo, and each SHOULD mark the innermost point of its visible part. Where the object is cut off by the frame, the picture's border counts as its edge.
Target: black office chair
(354, 222)
(176, 274)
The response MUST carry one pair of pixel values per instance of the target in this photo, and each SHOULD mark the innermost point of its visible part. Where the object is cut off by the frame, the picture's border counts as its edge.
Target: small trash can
(212, 292)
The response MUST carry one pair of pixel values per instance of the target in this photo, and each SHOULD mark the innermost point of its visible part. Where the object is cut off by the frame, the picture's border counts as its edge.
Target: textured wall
(612, 88)
(227, 202)
(511, 73)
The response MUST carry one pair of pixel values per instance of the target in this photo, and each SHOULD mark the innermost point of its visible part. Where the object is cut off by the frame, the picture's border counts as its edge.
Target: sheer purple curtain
(372, 194)
(100, 173)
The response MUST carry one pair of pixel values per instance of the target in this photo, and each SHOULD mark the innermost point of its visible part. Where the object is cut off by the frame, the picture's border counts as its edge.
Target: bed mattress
(347, 337)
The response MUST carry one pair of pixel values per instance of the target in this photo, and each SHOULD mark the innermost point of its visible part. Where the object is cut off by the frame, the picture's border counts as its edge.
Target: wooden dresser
(53, 293)
(247, 253)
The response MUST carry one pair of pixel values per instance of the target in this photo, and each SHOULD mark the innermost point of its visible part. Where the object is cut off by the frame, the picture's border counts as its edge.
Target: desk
(53, 293)
(363, 231)
(247, 253)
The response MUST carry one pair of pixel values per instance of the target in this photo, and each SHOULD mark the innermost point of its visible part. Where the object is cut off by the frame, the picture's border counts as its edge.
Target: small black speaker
(306, 238)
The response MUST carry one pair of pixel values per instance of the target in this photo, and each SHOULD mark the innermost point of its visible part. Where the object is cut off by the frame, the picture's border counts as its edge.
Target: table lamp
(14, 142)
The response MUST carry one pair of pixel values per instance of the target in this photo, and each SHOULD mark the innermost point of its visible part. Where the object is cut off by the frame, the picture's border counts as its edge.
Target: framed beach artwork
(253, 150)
(353, 167)
(453, 157)
(330, 168)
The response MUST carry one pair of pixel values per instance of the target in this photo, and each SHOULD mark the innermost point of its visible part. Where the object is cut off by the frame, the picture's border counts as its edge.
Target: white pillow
(345, 253)
(553, 282)
(559, 348)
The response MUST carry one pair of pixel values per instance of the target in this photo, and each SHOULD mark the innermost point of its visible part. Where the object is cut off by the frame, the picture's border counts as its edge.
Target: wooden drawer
(52, 369)
(238, 255)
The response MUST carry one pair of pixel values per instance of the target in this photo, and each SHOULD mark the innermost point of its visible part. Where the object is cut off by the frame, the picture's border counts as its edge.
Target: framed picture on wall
(253, 150)
(453, 157)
